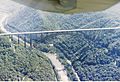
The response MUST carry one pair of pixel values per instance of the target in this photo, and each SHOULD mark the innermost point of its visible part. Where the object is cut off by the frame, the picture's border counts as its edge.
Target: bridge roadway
(60, 31)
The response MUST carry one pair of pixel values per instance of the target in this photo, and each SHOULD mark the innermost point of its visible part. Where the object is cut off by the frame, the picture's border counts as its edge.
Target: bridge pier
(11, 37)
(25, 41)
(18, 39)
(31, 44)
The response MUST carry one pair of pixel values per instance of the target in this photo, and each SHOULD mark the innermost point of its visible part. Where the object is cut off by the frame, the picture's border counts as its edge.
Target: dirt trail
(58, 66)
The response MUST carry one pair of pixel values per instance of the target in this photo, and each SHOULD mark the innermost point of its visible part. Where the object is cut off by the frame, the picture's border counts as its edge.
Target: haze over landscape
(67, 56)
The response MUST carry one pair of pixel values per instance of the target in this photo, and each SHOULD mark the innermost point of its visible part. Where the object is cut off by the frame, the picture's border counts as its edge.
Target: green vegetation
(93, 54)
(20, 64)
(68, 67)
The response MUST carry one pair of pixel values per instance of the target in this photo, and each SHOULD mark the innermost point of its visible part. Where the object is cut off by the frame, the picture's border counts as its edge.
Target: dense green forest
(93, 54)
(22, 64)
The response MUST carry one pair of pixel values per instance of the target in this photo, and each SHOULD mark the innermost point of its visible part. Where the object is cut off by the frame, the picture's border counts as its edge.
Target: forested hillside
(93, 54)
(21, 64)
(28, 19)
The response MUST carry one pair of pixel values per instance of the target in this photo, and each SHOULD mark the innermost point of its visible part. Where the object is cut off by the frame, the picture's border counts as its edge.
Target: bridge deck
(60, 31)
